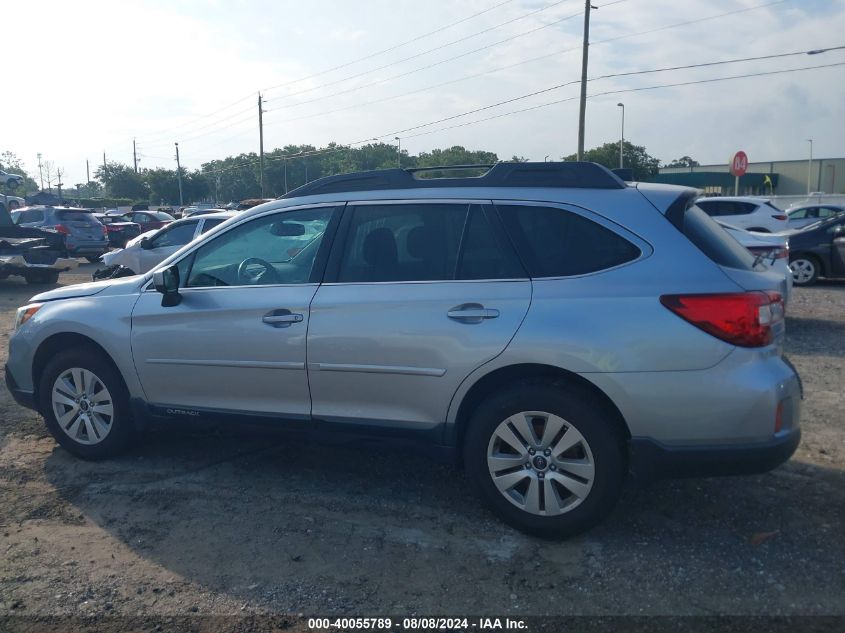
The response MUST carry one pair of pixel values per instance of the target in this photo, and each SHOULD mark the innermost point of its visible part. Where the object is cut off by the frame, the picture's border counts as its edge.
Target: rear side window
(25, 217)
(553, 242)
(714, 241)
(210, 224)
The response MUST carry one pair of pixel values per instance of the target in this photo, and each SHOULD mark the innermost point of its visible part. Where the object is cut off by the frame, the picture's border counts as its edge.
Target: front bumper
(23, 398)
(650, 459)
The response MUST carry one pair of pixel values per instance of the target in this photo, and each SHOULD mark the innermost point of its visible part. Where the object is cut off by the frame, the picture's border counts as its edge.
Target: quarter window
(553, 242)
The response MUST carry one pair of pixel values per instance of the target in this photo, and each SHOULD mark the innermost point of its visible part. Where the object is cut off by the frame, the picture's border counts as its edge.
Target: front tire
(85, 404)
(39, 277)
(805, 270)
(549, 459)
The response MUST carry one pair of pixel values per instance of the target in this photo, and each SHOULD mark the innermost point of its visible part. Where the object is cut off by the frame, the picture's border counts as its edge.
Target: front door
(417, 296)
(164, 243)
(236, 341)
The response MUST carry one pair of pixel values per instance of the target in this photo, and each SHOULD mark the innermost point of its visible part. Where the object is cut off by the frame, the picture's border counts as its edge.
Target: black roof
(558, 175)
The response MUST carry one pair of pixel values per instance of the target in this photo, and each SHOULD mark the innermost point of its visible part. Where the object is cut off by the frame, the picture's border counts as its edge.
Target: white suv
(751, 214)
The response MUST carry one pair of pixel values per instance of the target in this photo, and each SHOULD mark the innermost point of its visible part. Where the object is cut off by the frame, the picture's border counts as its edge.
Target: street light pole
(809, 167)
(179, 175)
(261, 140)
(398, 151)
(622, 138)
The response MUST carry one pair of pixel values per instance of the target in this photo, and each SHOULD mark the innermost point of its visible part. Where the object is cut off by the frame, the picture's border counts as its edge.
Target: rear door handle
(281, 318)
(472, 313)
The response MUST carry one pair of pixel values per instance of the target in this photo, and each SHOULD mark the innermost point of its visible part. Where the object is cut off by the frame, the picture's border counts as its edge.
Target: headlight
(25, 313)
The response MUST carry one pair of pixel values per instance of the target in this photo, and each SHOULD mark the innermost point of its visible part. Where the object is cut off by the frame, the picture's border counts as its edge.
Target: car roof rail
(572, 175)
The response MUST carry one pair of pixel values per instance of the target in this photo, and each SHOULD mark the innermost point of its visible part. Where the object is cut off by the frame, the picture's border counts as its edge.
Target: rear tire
(805, 270)
(85, 404)
(561, 481)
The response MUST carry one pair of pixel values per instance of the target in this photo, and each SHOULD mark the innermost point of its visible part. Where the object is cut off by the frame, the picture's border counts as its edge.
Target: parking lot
(213, 520)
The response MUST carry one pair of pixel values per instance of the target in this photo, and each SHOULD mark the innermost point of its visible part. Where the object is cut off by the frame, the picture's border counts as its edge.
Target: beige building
(785, 177)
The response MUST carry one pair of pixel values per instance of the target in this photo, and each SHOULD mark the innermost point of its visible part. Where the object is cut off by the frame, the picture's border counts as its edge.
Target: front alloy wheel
(82, 406)
(804, 271)
(540, 463)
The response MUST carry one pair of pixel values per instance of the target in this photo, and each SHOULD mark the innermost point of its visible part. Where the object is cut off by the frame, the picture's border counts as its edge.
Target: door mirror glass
(166, 281)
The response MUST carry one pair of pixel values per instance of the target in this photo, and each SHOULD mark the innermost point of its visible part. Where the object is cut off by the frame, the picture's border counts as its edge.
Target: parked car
(84, 235)
(770, 249)
(148, 220)
(149, 250)
(36, 254)
(12, 202)
(751, 214)
(818, 250)
(118, 230)
(804, 216)
(10, 180)
(546, 324)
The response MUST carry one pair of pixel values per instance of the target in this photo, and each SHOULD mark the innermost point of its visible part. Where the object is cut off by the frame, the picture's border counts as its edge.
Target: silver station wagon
(552, 327)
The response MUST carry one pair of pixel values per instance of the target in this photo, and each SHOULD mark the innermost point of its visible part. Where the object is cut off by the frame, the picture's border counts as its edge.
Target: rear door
(417, 295)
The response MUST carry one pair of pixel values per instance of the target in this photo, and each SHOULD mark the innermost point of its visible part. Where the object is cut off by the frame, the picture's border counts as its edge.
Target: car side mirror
(166, 282)
(146, 243)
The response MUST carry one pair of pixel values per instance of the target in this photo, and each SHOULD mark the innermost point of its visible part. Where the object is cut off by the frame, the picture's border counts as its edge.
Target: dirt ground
(220, 520)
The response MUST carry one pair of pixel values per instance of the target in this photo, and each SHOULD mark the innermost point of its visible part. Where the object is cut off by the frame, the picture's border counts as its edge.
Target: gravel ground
(214, 521)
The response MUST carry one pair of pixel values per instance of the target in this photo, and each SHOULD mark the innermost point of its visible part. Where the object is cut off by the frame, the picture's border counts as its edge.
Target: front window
(275, 249)
(178, 235)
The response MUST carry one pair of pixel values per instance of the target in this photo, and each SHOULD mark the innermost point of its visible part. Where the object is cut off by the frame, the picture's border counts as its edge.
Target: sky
(91, 76)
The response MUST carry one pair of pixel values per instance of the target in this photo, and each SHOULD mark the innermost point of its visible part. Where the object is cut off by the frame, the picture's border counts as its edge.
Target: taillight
(769, 252)
(61, 228)
(780, 217)
(105, 230)
(745, 319)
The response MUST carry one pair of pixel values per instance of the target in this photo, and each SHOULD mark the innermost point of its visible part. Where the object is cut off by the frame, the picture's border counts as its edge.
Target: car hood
(112, 286)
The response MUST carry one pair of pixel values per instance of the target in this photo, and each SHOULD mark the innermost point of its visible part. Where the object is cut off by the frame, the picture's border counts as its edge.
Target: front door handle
(472, 313)
(281, 318)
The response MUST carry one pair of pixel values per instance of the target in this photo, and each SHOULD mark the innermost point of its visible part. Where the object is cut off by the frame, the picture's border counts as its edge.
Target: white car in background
(149, 249)
(13, 202)
(772, 250)
(10, 180)
(751, 214)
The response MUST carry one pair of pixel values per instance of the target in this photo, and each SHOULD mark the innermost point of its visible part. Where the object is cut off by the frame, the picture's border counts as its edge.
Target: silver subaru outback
(552, 327)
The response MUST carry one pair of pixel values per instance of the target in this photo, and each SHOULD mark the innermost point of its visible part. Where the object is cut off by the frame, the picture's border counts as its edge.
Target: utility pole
(286, 174)
(810, 167)
(261, 142)
(105, 166)
(622, 138)
(59, 183)
(398, 151)
(179, 175)
(40, 172)
(87, 172)
(134, 156)
(582, 114)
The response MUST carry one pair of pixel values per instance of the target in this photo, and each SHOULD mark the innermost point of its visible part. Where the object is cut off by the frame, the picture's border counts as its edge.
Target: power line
(626, 90)
(442, 46)
(347, 146)
(392, 48)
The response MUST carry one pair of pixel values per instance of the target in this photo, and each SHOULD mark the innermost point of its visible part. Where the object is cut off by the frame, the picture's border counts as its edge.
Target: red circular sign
(739, 163)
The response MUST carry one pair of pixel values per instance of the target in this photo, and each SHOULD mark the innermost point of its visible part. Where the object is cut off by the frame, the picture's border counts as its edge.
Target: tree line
(286, 168)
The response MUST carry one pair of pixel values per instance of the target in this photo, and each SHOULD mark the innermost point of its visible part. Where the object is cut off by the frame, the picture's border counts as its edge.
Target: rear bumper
(92, 249)
(650, 459)
(23, 398)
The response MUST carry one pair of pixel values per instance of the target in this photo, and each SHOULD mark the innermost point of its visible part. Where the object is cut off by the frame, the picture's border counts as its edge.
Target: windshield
(161, 215)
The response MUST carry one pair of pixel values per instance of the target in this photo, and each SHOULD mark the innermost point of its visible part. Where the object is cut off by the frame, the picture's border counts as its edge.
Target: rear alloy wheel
(548, 459)
(84, 404)
(805, 271)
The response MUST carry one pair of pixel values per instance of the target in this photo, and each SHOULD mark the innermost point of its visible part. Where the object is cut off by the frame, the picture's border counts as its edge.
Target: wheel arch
(60, 342)
(810, 255)
(499, 378)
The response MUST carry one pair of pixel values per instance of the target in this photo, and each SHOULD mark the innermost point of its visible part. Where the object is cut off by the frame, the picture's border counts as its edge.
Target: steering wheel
(246, 275)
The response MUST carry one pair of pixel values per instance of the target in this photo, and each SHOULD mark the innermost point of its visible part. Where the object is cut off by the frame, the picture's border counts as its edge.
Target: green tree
(684, 161)
(121, 181)
(635, 157)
